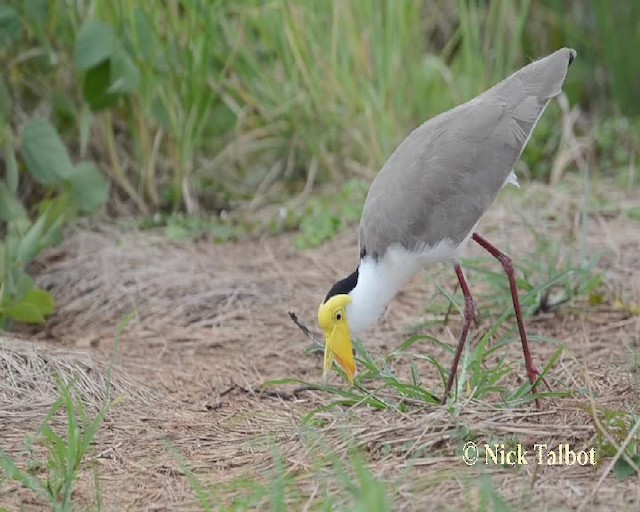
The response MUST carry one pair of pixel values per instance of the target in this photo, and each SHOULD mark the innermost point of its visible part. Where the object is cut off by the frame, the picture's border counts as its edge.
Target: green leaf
(89, 187)
(160, 113)
(14, 473)
(94, 45)
(125, 77)
(37, 11)
(95, 87)
(24, 312)
(56, 208)
(145, 32)
(11, 164)
(63, 106)
(44, 153)
(22, 283)
(11, 245)
(31, 244)
(10, 207)
(42, 300)
(53, 235)
(10, 26)
(623, 470)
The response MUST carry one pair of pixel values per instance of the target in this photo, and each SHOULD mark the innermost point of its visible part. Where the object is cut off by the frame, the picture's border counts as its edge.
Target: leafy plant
(42, 188)
(65, 453)
(67, 190)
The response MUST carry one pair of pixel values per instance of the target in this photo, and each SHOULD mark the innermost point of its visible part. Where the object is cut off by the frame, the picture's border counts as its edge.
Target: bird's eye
(338, 316)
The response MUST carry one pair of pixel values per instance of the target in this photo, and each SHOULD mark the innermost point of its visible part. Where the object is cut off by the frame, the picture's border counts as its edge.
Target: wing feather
(447, 172)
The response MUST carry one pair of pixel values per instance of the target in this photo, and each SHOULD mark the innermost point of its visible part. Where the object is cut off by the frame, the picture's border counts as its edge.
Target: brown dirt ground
(211, 328)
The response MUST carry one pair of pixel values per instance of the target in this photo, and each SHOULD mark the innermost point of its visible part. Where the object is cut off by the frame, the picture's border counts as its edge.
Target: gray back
(448, 171)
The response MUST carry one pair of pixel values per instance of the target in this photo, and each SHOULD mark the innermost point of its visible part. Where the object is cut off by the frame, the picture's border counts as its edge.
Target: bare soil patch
(212, 327)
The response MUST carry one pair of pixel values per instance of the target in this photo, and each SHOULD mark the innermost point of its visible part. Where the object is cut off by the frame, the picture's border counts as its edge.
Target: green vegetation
(225, 119)
(65, 453)
(342, 485)
(65, 191)
(195, 105)
(210, 106)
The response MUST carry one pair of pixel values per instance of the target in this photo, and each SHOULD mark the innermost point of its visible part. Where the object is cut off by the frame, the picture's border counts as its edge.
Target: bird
(424, 206)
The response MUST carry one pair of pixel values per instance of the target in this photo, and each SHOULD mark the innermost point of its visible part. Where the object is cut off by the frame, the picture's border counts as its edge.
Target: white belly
(379, 281)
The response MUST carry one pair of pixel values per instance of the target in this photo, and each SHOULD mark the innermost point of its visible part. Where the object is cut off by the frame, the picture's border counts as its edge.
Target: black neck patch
(344, 286)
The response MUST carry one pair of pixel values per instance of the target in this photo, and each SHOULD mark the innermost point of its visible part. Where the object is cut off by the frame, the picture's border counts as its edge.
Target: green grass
(52, 480)
(225, 104)
(479, 377)
(341, 484)
(201, 105)
(65, 453)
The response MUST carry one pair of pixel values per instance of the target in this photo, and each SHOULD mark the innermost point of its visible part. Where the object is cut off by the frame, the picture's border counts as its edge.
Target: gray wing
(447, 172)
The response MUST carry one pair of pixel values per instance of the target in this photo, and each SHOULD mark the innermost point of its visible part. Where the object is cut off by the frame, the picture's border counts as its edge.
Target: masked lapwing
(424, 205)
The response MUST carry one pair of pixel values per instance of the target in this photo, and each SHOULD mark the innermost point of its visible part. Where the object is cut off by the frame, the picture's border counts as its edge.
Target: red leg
(469, 308)
(507, 265)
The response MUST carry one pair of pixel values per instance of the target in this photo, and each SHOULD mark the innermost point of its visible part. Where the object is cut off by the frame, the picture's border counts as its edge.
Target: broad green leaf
(10, 26)
(125, 77)
(96, 87)
(44, 153)
(41, 299)
(88, 186)
(24, 312)
(94, 45)
(623, 470)
(10, 207)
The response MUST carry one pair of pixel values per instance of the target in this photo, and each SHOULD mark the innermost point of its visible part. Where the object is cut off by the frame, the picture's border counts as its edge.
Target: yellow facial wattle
(332, 318)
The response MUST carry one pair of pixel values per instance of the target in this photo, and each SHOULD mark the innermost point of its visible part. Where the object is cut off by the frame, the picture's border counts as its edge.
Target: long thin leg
(507, 265)
(469, 308)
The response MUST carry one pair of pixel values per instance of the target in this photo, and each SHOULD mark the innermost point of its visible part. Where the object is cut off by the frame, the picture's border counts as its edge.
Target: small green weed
(184, 227)
(65, 453)
(326, 216)
(67, 189)
(343, 485)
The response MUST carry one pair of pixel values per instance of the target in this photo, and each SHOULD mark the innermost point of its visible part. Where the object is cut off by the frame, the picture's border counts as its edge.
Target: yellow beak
(338, 348)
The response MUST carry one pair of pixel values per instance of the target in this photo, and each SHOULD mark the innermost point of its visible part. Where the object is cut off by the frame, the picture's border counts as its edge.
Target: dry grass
(32, 373)
(212, 327)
